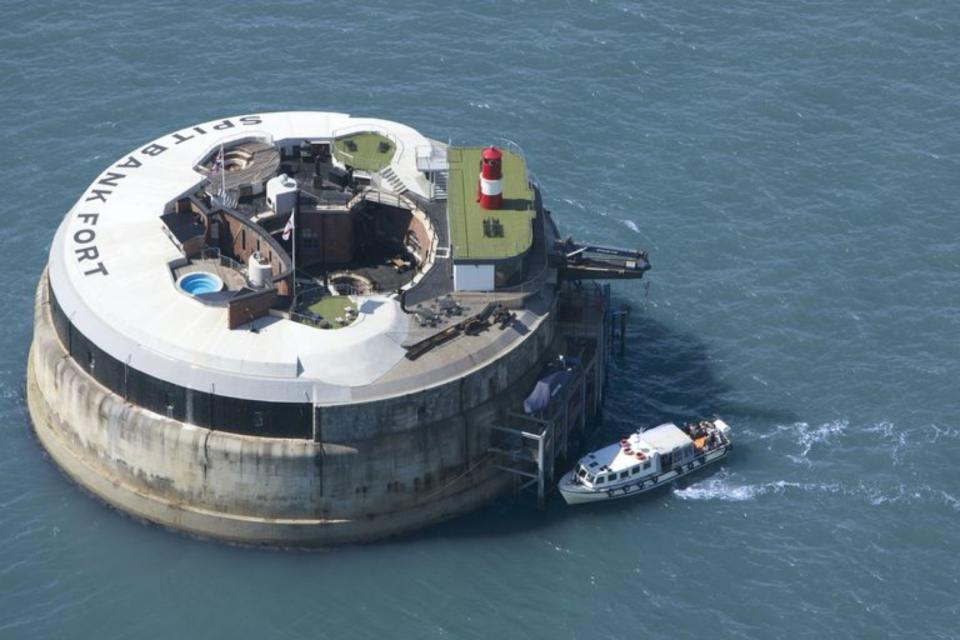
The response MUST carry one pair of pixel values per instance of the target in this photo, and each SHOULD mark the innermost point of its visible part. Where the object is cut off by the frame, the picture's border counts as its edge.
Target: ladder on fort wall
(530, 446)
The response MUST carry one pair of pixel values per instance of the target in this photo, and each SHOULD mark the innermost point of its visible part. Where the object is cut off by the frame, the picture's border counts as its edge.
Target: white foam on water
(800, 460)
(808, 437)
(630, 224)
(950, 501)
(720, 487)
(884, 428)
(806, 445)
(717, 488)
(943, 432)
(801, 434)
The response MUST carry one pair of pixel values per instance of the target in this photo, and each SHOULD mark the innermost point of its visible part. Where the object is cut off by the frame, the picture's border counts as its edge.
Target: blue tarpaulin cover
(546, 388)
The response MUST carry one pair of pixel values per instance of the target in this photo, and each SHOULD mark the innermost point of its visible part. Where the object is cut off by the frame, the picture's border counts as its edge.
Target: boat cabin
(609, 476)
(646, 453)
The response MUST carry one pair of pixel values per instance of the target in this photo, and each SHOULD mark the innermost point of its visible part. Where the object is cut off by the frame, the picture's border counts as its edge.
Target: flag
(218, 162)
(287, 230)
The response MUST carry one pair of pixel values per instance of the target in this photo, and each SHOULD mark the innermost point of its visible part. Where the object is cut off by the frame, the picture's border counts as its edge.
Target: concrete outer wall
(383, 468)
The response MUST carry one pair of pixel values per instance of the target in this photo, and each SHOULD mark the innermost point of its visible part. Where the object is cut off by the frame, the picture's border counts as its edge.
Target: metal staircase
(392, 180)
(225, 199)
(439, 183)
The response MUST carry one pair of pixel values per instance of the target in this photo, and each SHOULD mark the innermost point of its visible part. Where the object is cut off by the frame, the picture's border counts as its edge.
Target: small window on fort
(309, 238)
(91, 360)
(258, 419)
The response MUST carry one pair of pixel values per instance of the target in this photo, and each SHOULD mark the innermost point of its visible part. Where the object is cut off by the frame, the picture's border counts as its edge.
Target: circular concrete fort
(307, 329)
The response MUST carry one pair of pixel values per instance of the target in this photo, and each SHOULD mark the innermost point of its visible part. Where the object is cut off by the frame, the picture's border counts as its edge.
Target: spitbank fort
(307, 328)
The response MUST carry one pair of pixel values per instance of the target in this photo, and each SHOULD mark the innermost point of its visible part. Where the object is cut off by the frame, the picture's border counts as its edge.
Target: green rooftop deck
(470, 242)
(365, 151)
(325, 311)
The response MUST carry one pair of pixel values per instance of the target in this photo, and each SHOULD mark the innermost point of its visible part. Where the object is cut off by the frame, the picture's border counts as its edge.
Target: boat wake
(720, 487)
(817, 443)
(809, 437)
(723, 488)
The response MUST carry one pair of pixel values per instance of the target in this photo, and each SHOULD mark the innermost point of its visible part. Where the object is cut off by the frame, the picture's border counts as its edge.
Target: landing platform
(513, 222)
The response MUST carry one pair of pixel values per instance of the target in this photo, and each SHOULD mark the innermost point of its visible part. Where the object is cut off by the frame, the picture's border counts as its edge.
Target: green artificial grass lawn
(330, 308)
(466, 216)
(367, 156)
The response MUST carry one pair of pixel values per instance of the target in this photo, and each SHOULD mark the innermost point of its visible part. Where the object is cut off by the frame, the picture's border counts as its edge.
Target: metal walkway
(530, 446)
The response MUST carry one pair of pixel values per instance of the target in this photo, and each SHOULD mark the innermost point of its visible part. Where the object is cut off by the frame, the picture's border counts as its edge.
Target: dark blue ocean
(794, 171)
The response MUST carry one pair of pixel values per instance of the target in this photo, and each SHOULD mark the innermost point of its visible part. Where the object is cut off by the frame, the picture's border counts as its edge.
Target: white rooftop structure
(665, 438)
(109, 270)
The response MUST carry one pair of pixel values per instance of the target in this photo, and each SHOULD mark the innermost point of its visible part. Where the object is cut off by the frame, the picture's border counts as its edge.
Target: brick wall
(243, 309)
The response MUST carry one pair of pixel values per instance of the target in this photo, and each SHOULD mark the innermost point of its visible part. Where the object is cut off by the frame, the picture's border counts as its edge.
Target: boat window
(612, 477)
(635, 470)
(593, 464)
(646, 465)
(624, 474)
(581, 472)
(601, 479)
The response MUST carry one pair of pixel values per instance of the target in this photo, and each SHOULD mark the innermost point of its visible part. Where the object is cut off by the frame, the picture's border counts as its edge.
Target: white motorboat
(646, 460)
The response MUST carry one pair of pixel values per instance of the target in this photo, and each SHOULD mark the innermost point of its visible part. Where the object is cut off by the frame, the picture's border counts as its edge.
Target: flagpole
(223, 177)
(293, 231)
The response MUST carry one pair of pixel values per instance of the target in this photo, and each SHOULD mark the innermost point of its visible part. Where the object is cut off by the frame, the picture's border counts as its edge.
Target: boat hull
(578, 494)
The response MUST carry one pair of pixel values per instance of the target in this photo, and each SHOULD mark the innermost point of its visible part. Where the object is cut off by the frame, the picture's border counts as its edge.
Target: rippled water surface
(793, 170)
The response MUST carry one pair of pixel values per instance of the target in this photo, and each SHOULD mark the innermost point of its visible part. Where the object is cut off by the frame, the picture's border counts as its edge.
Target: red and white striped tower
(490, 189)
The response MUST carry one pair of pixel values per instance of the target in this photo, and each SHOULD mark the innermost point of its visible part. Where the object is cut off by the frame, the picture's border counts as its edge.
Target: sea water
(792, 169)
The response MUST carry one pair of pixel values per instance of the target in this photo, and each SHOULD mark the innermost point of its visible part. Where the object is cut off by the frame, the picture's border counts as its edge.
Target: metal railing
(515, 148)
(431, 157)
(347, 289)
(378, 196)
(213, 253)
(318, 292)
(232, 139)
(363, 128)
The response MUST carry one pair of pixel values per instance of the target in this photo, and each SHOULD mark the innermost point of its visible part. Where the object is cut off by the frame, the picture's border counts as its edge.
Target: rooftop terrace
(365, 151)
(512, 231)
